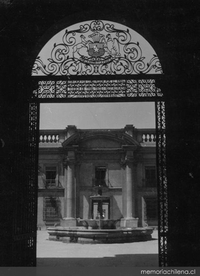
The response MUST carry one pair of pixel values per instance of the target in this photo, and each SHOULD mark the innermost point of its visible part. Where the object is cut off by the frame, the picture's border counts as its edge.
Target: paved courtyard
(58, 253)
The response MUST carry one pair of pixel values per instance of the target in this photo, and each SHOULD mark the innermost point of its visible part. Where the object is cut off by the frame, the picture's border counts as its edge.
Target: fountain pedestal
(68, 222)
(129, 222)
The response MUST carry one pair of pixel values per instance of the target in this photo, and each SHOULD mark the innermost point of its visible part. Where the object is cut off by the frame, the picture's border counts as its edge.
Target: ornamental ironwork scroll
(97, 48)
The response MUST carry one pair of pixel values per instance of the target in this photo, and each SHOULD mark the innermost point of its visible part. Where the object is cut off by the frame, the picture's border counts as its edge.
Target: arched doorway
(106, 62)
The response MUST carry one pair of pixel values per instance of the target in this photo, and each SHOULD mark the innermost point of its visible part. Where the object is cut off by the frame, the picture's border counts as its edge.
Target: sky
(97, 115)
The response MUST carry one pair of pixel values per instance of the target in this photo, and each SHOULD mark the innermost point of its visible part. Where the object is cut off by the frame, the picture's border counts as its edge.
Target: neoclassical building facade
(97, 173)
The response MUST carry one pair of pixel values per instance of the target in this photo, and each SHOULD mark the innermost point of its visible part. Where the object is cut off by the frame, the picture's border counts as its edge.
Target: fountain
(99, 235)
(99, 230)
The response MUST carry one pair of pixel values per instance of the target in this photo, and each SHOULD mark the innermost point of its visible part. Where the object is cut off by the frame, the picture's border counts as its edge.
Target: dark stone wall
(172, 28)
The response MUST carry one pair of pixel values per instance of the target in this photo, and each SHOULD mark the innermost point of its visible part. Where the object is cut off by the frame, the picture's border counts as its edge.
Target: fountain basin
(120, 235)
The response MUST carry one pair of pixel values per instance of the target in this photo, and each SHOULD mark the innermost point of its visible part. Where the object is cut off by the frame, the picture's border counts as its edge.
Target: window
(150, 176)
(151, 209)
(51, 177)
(100, 176)
(51, 209)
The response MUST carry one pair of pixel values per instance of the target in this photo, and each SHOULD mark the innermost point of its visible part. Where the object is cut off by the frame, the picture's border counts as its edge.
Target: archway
(107, 62)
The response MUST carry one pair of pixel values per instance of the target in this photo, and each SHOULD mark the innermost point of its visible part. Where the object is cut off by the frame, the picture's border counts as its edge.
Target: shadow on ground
(128, 260)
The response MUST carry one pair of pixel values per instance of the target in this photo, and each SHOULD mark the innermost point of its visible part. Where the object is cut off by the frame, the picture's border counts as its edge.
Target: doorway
(101, 209)
(119, 74)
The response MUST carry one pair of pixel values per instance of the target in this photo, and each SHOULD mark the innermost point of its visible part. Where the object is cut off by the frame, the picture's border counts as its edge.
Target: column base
(68, 222)
(129, 222)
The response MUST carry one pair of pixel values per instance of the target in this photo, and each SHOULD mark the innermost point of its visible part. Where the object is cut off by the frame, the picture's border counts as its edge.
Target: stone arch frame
(133, 87)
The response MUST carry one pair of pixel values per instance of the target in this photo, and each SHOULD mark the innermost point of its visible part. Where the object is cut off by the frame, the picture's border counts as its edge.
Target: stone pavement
(58, 253)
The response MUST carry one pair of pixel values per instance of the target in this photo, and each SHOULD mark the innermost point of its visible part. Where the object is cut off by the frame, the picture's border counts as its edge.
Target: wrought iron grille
(60, 89)
(125, 89)
(97, 48)
(162, 182)
(25, 200)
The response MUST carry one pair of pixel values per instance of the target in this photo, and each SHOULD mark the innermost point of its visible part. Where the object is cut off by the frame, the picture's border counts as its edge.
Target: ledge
(59, 192)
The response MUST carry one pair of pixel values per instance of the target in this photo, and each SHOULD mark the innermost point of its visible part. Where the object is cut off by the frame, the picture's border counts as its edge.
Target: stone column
(70, 192)
(129, 196)
(77, 190)
(129, 189)
(70, 198)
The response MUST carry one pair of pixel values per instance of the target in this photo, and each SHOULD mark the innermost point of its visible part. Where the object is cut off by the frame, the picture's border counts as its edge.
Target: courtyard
(52, 253)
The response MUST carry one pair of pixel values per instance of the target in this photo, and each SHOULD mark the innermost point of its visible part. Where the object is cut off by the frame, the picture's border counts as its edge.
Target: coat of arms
(98, 46)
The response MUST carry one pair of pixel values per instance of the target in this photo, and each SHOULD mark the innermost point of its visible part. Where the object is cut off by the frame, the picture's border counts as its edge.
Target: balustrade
(148, 138)
(49, 138)
(52, 136)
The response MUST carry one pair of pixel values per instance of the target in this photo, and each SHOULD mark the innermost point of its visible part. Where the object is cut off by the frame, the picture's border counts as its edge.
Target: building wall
(106, 153)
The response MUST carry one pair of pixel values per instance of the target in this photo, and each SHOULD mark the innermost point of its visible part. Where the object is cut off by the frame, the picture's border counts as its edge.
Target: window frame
(149, 182)
(56, 176)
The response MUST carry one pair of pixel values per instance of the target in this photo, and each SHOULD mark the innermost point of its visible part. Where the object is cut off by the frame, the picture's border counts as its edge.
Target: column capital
(128, 158)
(126, 161)
(68, 161)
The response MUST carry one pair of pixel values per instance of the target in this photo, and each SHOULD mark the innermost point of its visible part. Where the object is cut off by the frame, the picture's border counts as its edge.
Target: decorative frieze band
(59, 89)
